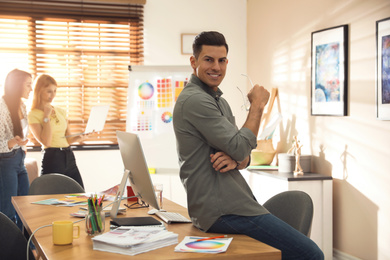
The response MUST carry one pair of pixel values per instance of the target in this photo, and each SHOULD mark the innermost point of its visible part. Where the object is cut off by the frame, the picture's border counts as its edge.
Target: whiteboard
(152, 94)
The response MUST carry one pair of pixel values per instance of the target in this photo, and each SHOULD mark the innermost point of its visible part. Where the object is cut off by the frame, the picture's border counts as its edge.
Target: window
(87, 48)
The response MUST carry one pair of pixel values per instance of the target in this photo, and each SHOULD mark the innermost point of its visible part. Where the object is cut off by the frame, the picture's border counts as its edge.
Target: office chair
(54, 183)
(13, 244)
(293, 207)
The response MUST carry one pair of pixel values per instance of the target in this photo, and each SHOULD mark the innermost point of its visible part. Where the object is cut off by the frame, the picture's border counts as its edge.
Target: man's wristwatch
(46, 119)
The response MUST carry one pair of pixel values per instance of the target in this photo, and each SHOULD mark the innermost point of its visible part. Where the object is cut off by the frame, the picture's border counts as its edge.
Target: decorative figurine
(296, 149)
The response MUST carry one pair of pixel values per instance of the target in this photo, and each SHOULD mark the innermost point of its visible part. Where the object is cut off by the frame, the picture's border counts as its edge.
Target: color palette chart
(205, 245)
(179, 85)
(166, 117)
(144, 122)
(145, 104)
(142, 115)
(164, 90)
(145, 91)
(213, 246)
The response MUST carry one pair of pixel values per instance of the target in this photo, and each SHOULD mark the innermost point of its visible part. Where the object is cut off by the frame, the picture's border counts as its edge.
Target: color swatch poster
(151, 99)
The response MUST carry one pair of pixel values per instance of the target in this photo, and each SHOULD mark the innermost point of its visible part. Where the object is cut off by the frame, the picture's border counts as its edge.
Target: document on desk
(133, 241)
(203, 245)
(68, 201)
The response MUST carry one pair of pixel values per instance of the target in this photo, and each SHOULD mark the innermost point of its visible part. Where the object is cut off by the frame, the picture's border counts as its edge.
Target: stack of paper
(132, 241)
(203, 245)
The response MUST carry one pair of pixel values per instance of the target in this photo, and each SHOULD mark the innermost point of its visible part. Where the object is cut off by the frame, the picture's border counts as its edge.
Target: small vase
(264, 153)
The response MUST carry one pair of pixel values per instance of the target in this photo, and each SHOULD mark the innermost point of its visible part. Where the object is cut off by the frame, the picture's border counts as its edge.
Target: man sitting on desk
(212, 149)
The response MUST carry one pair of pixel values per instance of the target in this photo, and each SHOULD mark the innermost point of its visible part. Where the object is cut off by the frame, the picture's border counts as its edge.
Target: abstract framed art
(329, 71)
(383, 69)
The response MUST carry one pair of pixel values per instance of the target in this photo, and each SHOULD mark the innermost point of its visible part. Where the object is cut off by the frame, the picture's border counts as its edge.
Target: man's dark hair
(211, 38)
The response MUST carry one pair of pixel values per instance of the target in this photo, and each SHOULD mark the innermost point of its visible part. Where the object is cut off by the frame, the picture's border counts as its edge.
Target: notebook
(96, 120)
(135, 221)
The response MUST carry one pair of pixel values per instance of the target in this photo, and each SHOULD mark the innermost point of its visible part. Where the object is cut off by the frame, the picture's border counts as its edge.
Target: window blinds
(86, 47)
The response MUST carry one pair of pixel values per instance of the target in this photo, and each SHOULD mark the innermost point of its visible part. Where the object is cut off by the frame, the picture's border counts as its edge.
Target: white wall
(164, 21)
(100, 169)
(352, 149)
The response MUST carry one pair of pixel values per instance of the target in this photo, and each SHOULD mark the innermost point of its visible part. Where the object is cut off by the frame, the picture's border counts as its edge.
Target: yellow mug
(63, 232)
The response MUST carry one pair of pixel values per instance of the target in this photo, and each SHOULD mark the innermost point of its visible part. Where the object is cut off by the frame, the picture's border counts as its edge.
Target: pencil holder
(95, 222)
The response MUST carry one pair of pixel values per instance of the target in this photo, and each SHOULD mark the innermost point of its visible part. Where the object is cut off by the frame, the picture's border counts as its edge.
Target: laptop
(96, 120)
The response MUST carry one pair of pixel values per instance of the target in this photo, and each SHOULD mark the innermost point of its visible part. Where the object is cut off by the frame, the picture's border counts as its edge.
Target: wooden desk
(35, 216)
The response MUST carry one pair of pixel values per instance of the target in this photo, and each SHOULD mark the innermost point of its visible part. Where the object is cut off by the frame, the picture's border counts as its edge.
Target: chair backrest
(13, 244)
(293, 207)
(54, 183)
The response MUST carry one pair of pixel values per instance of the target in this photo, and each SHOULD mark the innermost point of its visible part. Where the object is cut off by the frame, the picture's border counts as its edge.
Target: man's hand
(222, 162)
(259, 96)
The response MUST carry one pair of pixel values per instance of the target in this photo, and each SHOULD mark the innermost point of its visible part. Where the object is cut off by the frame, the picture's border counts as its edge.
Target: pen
(209, 238)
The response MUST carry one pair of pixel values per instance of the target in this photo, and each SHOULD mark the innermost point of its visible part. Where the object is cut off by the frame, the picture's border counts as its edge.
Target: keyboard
(172, 217)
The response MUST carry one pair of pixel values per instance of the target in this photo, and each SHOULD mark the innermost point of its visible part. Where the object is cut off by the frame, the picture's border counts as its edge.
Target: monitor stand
(119, 195)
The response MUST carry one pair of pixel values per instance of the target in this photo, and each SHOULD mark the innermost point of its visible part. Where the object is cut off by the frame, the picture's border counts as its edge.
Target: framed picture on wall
(186, 42)
(329, 71)
(383, 69)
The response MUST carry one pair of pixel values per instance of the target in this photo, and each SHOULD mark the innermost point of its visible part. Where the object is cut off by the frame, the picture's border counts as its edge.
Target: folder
(135, 221)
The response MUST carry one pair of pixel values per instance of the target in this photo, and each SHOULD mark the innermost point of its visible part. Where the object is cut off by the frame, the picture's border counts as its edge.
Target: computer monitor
(134, 161)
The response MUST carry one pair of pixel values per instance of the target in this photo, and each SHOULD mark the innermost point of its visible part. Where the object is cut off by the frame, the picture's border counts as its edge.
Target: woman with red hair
(13, 132)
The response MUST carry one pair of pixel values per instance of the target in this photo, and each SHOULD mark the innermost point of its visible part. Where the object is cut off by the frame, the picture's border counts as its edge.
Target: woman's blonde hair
(41, 82)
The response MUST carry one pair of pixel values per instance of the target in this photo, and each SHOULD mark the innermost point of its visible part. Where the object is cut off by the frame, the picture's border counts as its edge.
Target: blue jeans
(13, 182)
(272, 231)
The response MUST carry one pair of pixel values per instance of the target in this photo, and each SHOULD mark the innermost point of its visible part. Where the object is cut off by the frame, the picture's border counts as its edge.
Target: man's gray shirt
(204, 124)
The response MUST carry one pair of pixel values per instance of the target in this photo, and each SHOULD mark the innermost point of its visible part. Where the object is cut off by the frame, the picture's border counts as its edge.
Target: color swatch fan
(203, 245)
